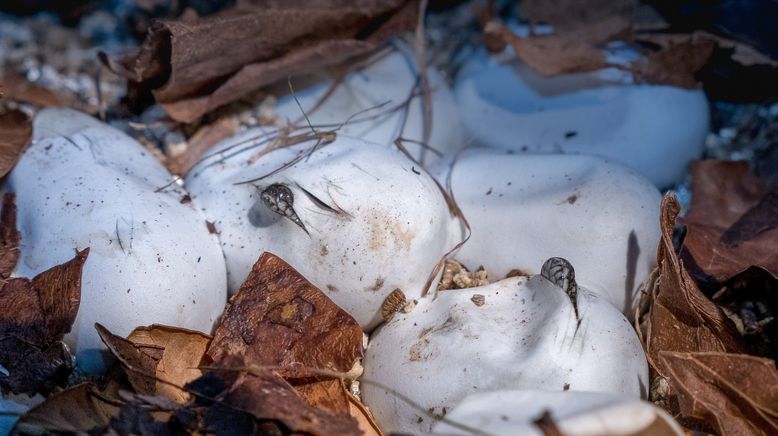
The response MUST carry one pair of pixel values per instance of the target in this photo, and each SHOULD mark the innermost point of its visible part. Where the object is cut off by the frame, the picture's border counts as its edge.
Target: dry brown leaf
(682, 319)
(77, 409)
(158, 360)
(277, 318)
(139, 366)
(674, 64)
(741, 53)
(179, 352)
(17, 88)
(196, 65)
(732, 393)
(732, 224)
(573, 50)
(268, 397)
(35, 316)
(251, 77)
(9, 236)
(15, 134)
(325, 394)
(365, 420)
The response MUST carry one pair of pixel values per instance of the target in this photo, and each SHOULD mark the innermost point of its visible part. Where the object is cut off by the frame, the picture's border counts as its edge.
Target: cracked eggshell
(523, 209)
(508, 413)
(82, 183)
(392, 229)
(524, 336)
(656, 130)
(389, 78)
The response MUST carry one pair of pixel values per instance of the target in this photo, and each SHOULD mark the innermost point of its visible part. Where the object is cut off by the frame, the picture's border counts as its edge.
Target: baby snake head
(560, 272)
(280, 199)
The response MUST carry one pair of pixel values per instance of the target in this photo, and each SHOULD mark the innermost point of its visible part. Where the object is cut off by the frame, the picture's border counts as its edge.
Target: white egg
(366, 220)
(656, 130)
(509, 413)
(381, 102)
(518, 333)
(82, 183)
(525, 208)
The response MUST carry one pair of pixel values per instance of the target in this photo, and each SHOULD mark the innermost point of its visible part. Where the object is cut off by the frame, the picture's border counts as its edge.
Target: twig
(421, 60)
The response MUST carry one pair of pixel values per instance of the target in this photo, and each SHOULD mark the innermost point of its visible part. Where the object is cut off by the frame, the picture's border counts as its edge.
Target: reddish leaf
(77, 409)
(15, 134)
(36, 315)
(18, 88)
(366, 422)
(325, 394)
(732, 393)
(279, 319)
(180, 352)
(570, 51)
(9, 237)
(674, 64)
(732, 223)
(268, 397)
(159, 359)
(682, 319)
(139, 366)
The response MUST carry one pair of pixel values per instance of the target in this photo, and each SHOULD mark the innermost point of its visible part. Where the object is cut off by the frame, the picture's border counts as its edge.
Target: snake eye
(280, 199)
(560, 272)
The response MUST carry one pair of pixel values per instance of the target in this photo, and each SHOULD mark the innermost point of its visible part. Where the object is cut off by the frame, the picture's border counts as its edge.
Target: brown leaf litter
(36, 315)
(159, 360)
(277, 326)
(732, 224)
(582, 28)
(695, 347)
(277, 318)
(195, 65)
(15, 135)
(9, 237)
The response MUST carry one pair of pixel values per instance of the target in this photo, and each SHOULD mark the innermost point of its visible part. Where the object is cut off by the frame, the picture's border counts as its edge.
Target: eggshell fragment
(364, 220)
(381, 102)
(508, 413)
(523, 209)
(525, 335)
(83, 184)
(656, 130)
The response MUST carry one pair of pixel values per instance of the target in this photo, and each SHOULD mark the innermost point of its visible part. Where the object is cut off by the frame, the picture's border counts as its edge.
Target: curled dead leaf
(364, 418)
(675, 64)
(193, 68)
(279, 319)
(564, 52)
(268, 398)
(682, 318)
(9, 236)
(180, 353)
(731, 393)
(15, 135)
(732, 223)
(17, 88)
(159, 360)
(36, 316)
(75, 410)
